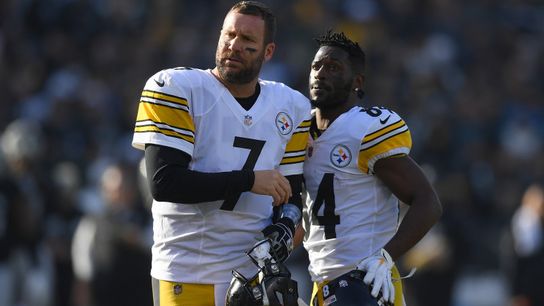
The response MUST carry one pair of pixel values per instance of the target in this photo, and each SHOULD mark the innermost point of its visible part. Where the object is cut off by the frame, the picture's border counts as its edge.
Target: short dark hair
(259, 9)
(356, 54)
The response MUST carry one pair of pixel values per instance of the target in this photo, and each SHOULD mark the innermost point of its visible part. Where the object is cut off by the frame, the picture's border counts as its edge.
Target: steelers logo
(284, 123)
(340, 156)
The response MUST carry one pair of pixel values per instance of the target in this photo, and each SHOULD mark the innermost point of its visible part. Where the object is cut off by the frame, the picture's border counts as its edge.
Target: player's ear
(358, 81)
(269, 51)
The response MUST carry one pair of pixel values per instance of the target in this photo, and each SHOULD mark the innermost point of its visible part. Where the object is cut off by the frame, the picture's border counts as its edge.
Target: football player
(357, 169)
(222, 147)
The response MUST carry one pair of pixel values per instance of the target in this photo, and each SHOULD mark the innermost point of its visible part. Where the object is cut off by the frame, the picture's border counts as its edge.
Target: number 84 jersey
(349, 213)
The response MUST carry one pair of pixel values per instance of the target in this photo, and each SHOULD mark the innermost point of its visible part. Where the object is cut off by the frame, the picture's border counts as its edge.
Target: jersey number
(255, 147)
(325, 194)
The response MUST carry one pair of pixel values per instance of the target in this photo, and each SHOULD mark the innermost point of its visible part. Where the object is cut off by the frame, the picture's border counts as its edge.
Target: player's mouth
(319, 87)
(232, 59)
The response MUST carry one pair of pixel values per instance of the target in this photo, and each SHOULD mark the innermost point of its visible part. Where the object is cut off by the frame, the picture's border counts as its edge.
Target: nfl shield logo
(248, 120)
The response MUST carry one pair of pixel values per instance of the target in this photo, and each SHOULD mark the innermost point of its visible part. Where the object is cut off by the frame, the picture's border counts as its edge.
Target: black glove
(281, 237)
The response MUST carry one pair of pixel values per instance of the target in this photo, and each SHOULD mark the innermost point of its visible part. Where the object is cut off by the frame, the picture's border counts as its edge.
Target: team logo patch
(340, 156)
(284, 123)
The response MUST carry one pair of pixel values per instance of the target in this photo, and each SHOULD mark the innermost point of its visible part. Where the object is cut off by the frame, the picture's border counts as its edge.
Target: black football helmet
(350, 290)
(272, 285)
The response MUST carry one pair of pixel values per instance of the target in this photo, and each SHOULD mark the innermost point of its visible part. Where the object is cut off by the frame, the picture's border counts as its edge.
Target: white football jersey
(349, 213)
(190, 110)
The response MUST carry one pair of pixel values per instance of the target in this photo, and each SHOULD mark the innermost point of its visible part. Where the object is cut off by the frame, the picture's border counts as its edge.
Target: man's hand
(281, 237)
(378, 274)
(272, 183)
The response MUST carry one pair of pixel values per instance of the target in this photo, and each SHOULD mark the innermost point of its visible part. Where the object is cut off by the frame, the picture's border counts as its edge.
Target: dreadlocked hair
(340, 40)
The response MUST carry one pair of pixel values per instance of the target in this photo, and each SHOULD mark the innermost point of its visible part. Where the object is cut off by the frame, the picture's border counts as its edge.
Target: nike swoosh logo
(381, 121)
(161, 84)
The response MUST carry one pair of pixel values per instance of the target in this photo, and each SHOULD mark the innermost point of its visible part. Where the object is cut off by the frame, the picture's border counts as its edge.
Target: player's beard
(244, 75)
(334, 99)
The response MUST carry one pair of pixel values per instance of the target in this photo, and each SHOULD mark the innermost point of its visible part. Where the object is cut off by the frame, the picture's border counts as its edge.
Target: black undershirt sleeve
(170, 179)
(296, 187)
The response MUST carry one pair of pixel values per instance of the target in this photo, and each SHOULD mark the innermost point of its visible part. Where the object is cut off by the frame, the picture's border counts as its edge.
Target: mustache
(234, 55)
(321, 85)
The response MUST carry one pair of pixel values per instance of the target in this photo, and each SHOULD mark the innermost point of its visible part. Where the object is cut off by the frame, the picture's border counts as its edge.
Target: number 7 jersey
(190, 110)
(349, 213)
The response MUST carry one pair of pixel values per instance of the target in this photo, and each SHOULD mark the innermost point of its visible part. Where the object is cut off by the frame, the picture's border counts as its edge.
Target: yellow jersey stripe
(300, 132)
(295, 151)
(163, 114)
(405, 140)
(402, 140)
(383, 137)
(164, 131)
(164, 97)
(292, 160)
(298, 142)
(383, 131)
(305, 123)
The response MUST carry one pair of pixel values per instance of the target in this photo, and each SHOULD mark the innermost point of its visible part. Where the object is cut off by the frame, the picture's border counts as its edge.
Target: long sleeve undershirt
(170, 179)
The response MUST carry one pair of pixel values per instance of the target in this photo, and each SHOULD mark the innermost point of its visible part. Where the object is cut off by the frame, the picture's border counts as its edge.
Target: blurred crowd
(467, 76)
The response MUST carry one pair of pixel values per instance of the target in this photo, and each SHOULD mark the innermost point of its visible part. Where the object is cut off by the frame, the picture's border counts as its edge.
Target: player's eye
(333, 67)
(229, 35)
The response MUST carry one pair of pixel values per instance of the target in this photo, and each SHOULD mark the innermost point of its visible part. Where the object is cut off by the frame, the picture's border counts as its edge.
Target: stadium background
(467, 76)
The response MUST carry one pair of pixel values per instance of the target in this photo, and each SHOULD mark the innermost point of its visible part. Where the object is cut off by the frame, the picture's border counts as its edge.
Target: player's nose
(235, 44)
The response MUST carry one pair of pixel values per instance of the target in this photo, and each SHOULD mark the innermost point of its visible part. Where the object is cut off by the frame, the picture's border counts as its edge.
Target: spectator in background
(110, 251)
(60, 227)
(28, 271)
(528, 242)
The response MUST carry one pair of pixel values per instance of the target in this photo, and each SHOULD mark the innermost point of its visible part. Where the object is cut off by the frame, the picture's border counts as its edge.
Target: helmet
(243, 291)
(272, 285)
(350, 290)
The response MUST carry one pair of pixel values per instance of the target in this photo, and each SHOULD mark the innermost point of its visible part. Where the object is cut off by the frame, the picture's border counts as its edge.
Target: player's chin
(317, 102)
(318, 95)
(231, 70)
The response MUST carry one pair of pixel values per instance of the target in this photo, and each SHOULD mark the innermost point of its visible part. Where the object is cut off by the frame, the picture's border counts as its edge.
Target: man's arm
(410, 185)
(404, 177)
(170, 179)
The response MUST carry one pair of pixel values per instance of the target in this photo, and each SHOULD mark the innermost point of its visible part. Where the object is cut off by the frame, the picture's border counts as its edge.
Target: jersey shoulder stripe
(165, 118)
(295, 151)
(383, 134)
(383, 141)
(164, 112)
(395, 125)
(164, 130)
(398, 144)
(156, 97)
(304, 126)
